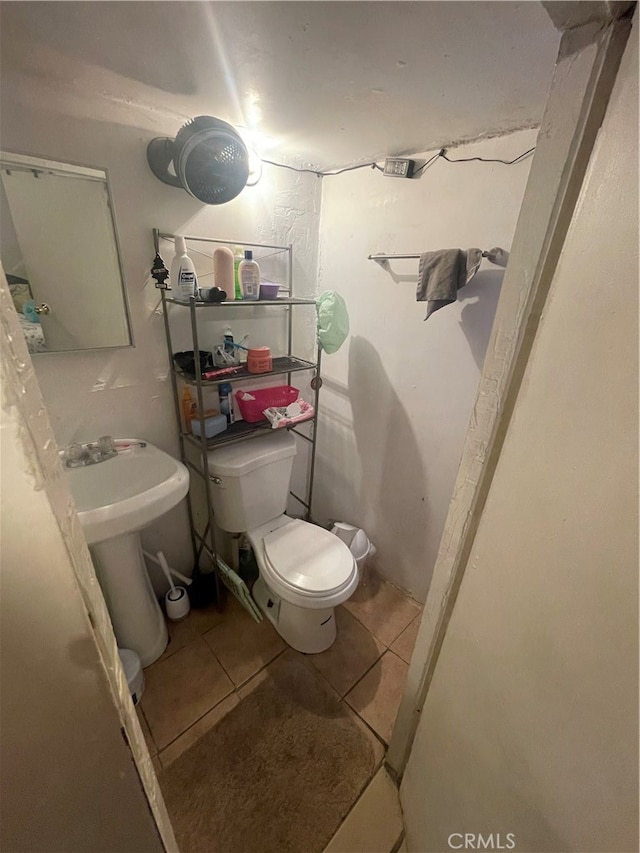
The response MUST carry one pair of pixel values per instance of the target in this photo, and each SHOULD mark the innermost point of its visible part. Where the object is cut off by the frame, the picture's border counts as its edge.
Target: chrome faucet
(78, 455)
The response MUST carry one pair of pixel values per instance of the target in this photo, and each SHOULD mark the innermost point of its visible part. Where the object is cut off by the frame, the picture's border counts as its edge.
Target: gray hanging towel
(441, 274)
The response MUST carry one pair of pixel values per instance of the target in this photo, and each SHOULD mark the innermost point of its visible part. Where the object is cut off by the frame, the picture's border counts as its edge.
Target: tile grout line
(358, 798)
(320, 675)
(368, 630)
(217, 659)
(355, 684)
(372, 730)
(153, 740)
(258, 671)
(348, 690)
(342, 699)
(235, 689)
(355, 711)
(374, 635)
(195, 722)
(215, 705)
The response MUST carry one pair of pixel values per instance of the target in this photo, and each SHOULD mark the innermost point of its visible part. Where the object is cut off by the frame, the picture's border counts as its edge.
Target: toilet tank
(251, 479)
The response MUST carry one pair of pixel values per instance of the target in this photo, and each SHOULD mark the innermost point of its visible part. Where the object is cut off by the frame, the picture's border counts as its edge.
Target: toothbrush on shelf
(211, 374)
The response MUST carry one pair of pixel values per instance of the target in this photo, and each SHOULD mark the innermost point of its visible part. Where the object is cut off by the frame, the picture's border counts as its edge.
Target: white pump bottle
(184, 282)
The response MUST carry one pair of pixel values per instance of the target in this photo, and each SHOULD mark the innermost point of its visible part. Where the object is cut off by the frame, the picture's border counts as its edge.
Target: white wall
(67, 775)
(126, 392)
(397, 398)
(530, 725)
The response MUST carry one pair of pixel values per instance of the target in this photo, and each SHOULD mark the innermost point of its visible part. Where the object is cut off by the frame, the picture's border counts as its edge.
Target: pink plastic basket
(279, 395)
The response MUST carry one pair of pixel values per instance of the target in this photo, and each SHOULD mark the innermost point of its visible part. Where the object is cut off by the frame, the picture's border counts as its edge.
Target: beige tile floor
(213, 656)
(374, 824)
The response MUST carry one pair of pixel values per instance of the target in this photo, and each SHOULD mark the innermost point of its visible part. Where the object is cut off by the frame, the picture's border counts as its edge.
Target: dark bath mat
(278, 774)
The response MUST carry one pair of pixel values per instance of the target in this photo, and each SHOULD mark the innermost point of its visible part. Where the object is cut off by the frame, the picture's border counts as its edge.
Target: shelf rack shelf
(281, 364)
(238, 432)
(204, 541)
(281, 302)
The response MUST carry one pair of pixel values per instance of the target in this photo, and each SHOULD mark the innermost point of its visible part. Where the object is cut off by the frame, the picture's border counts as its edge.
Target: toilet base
(305, 629)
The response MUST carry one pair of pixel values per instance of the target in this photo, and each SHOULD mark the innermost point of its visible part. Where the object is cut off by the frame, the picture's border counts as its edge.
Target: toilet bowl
(304, 570)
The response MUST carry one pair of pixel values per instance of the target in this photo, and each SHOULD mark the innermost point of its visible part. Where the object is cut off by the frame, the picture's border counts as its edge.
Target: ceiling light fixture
(255, 168)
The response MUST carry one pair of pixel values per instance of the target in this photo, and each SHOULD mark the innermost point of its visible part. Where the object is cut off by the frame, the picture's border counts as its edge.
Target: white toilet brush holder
(176, 601)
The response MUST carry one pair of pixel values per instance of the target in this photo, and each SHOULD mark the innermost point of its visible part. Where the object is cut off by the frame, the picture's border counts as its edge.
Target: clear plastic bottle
(249, 276)
(228, 344)
(184, 282)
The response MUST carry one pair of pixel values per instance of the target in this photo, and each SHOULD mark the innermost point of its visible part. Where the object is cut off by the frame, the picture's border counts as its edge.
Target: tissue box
(212, 425)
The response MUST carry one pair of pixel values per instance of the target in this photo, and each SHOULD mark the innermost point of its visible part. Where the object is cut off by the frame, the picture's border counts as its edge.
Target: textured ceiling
(327, 83)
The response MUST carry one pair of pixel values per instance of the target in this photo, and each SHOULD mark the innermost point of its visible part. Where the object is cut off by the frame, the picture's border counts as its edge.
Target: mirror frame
(36, 161)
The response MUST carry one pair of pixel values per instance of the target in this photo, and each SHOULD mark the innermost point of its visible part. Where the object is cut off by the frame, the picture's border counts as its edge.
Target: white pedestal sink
(115, 499)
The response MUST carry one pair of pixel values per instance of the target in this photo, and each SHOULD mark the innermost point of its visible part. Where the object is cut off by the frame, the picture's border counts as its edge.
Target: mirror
(59, 251)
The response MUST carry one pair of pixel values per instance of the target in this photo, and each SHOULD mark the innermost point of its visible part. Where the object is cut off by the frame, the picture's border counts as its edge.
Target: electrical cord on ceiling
(428, 163)
(325, 174)
(442, 153)
(518, 159)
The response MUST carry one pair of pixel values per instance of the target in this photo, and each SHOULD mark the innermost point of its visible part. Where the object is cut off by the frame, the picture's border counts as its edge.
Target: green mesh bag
(333, 321)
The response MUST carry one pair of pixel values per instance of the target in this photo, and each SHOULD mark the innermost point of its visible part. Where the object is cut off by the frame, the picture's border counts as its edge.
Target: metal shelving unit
(204, 541)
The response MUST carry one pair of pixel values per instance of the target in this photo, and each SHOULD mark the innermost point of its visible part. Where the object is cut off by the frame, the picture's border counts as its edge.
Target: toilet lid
(308, 557)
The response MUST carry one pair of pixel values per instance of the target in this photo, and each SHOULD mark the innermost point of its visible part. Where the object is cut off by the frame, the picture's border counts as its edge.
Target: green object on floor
(333, 321)
(238, 588)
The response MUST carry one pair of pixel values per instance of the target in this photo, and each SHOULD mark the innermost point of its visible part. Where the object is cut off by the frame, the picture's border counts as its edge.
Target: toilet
(304, 570)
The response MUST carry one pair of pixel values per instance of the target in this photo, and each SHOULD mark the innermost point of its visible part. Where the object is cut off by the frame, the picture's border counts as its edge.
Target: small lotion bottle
(249, 276)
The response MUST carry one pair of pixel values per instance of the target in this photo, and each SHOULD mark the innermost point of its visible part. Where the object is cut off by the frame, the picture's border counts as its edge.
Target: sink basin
(128, 492)
(115, 499)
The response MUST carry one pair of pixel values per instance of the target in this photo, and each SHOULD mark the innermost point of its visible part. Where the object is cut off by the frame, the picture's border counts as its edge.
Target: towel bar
(500, 255)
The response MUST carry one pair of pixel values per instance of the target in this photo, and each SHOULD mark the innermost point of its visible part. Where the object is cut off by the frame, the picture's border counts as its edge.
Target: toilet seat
(308, 558)
(303, 563)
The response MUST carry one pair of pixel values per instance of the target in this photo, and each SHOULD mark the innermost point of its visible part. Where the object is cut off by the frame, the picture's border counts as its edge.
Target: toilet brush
(174, 572)
(176, 601)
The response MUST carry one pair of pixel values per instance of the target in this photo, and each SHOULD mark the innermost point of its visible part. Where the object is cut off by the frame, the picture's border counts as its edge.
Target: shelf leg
(314, 441)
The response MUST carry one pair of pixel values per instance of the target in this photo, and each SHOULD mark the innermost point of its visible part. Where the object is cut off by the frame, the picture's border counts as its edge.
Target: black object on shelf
(187, 363)
(212, 294)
